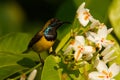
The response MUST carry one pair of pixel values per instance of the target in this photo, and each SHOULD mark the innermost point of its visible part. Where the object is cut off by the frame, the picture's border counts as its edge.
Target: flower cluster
(94, 46)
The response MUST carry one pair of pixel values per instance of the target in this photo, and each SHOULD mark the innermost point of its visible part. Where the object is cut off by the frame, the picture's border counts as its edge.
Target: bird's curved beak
(61, 23)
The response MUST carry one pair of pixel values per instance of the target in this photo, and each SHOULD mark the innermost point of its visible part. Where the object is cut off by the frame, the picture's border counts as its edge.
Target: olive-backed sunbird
(45, 38)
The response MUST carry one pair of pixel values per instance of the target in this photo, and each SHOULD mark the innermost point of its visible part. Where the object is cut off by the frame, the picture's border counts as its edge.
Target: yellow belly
(42, 45)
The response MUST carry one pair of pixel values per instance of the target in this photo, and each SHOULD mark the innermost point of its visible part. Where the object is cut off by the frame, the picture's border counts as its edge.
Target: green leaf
(11, 58)
(8, 70)
(62, 42)
(11, 63)
(8, 65)
(14, 42)
(50, 71)
(114, 16)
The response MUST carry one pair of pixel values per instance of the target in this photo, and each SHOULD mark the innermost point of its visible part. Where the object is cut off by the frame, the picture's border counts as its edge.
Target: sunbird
(45, 38)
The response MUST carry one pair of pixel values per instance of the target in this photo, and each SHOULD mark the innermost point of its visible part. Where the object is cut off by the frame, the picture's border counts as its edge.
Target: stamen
(104, 72)
(78, 54)
(110, 74)
(87, 15)
(81, 48)
(101, 76)
(102, 25)
(72, 42)
(102, 40)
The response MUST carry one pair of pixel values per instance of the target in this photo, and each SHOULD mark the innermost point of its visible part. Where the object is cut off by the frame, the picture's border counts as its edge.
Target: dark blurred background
(37, 10)
(26, 15)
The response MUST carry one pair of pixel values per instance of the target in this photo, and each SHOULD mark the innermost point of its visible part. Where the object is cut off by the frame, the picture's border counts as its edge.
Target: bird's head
(55, 23)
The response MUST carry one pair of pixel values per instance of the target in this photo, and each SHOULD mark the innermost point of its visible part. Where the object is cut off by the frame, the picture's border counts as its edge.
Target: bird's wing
(36, 38)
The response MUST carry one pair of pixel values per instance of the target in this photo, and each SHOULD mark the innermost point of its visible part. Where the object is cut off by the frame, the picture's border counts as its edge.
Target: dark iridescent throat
(50, 34)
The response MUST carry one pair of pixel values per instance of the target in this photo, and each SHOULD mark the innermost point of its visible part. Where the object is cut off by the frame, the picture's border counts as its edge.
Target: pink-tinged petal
(88, 50)
(80, 40)
(114, 69)
(102, 66)
(96, 76)
(102, 31)
(78, 55)
(91, 36)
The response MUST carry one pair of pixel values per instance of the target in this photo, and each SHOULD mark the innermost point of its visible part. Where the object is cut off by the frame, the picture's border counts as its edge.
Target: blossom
(99, 38)
(83, 14)
(103, 72)
(78, 45)
(31, 75)
(107, 53)
(94, 23)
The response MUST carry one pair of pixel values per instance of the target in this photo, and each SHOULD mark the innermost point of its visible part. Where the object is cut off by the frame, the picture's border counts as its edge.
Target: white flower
(100, 38)
(95, 23)
(80, 48)
(83, 14)
(30, 77)
(107, 53)
(104, 73)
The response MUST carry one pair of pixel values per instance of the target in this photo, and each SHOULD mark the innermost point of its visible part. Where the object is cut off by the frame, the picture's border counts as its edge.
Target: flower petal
(78, 55)
(88, 56)
(95, 23)
(91, 36)
(102, 66)
(106, 50)
(96, 76)
(109, 30)
(88, 49)
(83, 14)
(108, 55)
(80, 39)
(23, 77)
(68, 49)
(32, 75)
(110, 59)
(83, 17)
(115, 69)
(81, 7)
(102, 31)
(107, 43)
